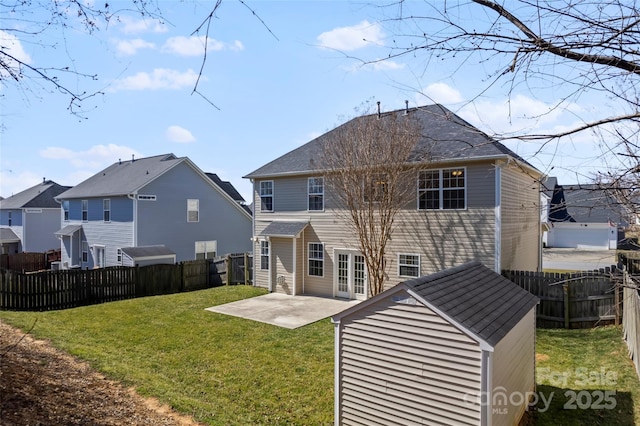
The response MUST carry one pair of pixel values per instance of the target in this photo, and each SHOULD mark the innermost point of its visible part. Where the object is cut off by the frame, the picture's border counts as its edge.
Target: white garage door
(581, 237)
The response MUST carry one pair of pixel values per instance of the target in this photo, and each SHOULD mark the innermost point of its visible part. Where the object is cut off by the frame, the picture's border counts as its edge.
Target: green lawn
(224, 370)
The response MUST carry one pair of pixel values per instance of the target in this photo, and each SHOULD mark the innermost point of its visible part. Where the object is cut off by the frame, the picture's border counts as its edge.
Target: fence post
(565, 290)
(616, 290)
(229, 270)
(246, 268)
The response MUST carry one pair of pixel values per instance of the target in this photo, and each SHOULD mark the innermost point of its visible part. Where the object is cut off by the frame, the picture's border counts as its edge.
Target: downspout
(135, 218)
(295, 246)
(336, 373)
(486, 406)
(498, 219)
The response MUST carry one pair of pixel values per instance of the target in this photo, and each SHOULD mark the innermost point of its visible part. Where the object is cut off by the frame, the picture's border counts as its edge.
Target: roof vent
(119, 161)
(378, 108)
(132, 158)
(406, 107)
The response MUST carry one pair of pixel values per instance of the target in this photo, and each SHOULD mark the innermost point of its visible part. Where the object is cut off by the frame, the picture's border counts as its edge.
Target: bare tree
(573, 48)
(367, 166)
(31, 21)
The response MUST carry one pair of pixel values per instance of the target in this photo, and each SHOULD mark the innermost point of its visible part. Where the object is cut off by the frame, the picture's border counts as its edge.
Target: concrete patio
(283, 310)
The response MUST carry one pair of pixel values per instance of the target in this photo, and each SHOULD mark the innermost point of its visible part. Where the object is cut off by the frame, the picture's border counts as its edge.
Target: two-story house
(163, 203)
(474, 200)
(29, 218)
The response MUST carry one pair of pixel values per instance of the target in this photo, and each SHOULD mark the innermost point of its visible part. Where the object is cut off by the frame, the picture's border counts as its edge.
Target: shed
(454, 347)
(147, 255)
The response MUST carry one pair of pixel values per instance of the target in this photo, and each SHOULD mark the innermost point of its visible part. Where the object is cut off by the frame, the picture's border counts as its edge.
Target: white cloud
(179, 134)
(93, 159)
(131, 47)
(11, 45)
(160, 78)
(128, 25)
(12, 183)
(441, 93)
(194, 46)
(348, 39)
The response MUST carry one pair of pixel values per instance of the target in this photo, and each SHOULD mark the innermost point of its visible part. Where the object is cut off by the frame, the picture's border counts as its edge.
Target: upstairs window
(106, 210)
(9, 220)
(376, 188)
(442, 189)
(315, 188)
(266, 196)
(193, 210)
(65, 210)
(409, 265)
(316, 259)
(85, 210)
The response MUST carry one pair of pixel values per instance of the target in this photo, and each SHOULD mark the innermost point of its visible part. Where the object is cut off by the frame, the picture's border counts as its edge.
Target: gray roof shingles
(147, 251)
(476, 297)
(284, 229)
(38, 196)
(445, 137)
(123, 177)
(8, 236)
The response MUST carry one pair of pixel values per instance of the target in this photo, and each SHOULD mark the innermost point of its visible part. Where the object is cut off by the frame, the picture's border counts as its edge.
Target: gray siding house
(302, 244)
(29, 219)
(155, 201)
(453, 348)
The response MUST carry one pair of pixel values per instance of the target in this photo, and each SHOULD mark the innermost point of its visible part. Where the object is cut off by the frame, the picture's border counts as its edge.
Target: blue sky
(272, 94)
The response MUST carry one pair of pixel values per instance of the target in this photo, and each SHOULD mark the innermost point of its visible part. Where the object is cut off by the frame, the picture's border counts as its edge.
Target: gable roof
(8, 236)
(445, 138)
(123, 177)
(591, 203)
(38, 196)
(472, 295)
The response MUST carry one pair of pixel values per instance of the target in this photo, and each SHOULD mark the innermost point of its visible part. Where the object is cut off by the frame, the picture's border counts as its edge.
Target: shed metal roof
(471, 295)
(445, 137)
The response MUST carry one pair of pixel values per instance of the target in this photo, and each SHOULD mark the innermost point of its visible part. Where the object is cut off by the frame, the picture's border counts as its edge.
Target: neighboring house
(585, 217)
(475, 200)
(155, 201)
(29, 218)
(455, 347)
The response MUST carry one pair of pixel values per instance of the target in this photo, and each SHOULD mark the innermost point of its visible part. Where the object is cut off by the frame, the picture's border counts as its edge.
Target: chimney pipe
(132, 159)
(119, 161)
(44, 180)
(406, 107)
(378, 108)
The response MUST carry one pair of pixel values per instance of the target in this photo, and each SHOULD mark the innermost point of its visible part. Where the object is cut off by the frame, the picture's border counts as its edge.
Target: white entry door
(99, 252)
(350, 275)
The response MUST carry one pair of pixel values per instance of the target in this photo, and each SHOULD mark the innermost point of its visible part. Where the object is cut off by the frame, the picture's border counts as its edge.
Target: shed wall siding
(514, 370)
(403, 364)
(520, 215)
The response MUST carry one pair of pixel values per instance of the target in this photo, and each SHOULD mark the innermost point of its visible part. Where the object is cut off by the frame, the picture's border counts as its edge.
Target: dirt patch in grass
(541, 357)
(40, 385)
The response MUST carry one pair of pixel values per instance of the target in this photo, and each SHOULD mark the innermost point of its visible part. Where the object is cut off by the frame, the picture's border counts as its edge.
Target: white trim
(315, 193)
(295, 245)
(405, 264)
(498, 220)
(441, 188)
(336, 373)
(273, 198)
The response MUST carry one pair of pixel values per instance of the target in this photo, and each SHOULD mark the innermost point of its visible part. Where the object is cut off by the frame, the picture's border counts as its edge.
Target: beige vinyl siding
(404, 364)
(520, 217)
(514, 369)
(260, 277)
(282, 261)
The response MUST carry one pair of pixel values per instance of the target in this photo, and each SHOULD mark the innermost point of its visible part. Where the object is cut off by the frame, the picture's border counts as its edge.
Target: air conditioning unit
(55, 266)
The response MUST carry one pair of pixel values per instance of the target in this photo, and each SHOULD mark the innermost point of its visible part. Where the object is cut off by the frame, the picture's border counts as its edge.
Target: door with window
(350, 275)
(99, 252)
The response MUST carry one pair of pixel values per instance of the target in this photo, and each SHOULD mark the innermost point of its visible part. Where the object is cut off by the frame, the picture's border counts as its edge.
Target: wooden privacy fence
(631, 319)
(29, 262)
(234, 269)
(48, 290)
(573, 300)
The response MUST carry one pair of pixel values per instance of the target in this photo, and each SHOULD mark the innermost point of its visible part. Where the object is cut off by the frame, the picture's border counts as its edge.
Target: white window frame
(84, 255)
(315, 259)
(106, 210)
(84, 205)
(265, 248)
(9, 219)
(206, 249)
(65, 210)
(312, 183)
(190, 209)
(119, 256)
(403, 263)
(441, 190)
(266, 195)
